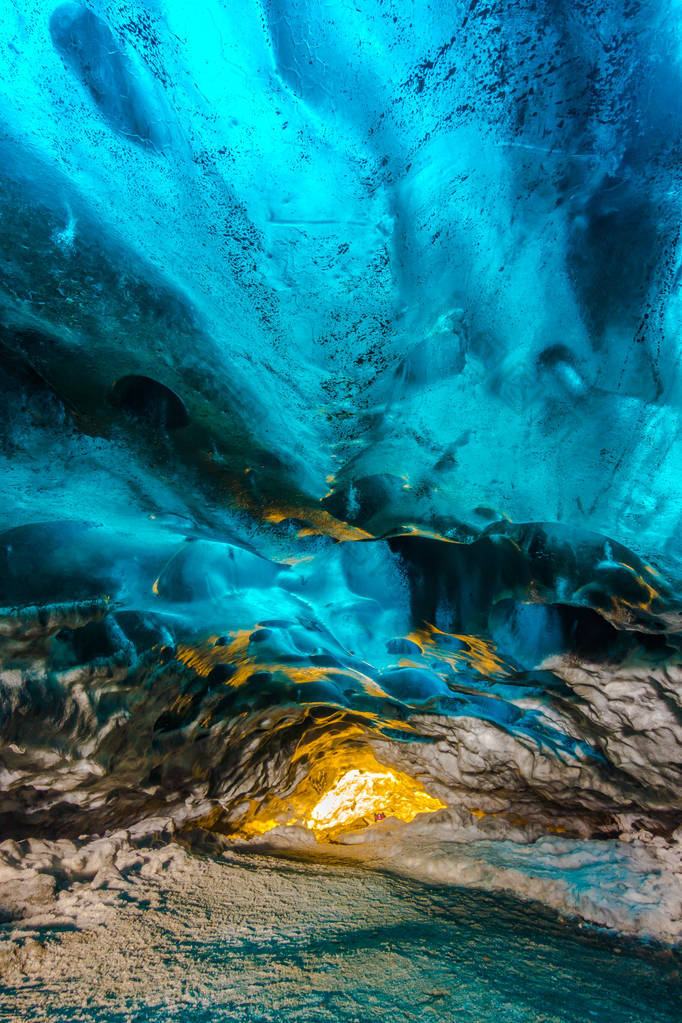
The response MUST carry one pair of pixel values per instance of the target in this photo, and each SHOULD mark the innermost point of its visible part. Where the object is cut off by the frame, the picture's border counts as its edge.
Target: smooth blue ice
(434, 242)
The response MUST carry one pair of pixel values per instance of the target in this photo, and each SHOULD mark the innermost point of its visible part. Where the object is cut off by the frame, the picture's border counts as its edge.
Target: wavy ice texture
(339, 358)
(440, 249)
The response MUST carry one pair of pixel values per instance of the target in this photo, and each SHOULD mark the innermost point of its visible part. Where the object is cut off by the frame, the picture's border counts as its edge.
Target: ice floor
(264, 939)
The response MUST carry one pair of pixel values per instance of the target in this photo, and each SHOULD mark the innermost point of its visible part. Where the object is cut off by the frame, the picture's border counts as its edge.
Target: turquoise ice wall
(432, 242)
(340, 382)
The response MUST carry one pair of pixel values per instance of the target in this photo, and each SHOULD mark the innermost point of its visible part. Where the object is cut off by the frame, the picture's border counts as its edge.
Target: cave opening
(149, 402)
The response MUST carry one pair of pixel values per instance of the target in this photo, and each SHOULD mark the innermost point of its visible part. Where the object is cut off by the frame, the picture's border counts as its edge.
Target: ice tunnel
(341, 518)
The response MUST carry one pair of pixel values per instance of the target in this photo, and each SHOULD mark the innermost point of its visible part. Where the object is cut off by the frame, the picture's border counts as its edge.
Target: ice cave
(341, 511)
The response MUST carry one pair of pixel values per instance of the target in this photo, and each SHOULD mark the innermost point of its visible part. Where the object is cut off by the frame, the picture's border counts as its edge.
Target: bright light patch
(346, 789)
(358, 795)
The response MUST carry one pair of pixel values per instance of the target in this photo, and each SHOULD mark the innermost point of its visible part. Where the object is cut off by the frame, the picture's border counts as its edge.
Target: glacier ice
(339, 359)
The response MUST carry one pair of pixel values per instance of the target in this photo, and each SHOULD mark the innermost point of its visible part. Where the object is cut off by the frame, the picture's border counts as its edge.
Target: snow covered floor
(631, 888)
(259, 938)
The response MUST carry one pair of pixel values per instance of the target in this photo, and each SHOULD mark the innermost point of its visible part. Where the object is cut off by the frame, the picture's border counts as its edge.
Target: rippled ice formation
(435, 243)
(340, 438)
(261, 939)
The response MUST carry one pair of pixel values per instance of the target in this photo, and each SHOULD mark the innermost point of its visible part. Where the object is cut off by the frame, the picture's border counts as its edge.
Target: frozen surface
(261, 939)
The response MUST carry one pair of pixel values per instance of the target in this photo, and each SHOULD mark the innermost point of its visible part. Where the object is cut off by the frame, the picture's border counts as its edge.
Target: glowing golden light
(319, 522)
(347, 789)
(479, 653)
(203, 657)
(358, 796)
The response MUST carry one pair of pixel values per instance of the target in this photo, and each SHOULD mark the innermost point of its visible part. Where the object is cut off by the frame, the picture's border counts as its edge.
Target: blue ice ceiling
(353, 327)
(435, 243)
